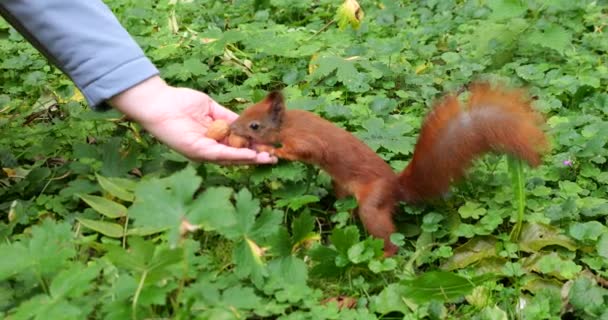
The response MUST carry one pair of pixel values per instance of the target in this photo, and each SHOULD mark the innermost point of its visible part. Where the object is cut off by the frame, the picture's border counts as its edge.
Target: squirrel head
(261, 122)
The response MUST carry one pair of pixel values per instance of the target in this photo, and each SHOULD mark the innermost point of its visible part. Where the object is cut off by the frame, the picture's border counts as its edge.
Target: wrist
(135, 101)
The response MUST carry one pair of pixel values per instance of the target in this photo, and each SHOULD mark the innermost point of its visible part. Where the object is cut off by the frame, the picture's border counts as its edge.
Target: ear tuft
(275, 97)
(277, 106)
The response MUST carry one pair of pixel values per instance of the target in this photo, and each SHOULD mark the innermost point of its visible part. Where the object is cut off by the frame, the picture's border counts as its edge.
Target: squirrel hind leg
(376, 206)
(339, 191)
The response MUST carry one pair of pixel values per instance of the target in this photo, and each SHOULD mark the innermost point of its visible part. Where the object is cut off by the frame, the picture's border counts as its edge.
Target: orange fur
(450, 139)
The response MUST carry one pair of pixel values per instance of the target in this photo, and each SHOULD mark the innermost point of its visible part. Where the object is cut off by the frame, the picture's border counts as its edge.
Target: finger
(216, 111)
(219, 152)
(261, 158)
(265, 157)
(233, 163)
(256, 161)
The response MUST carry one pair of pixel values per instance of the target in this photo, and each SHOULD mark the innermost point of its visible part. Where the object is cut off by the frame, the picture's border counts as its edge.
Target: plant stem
(137, 293)
(517, 182)
(322, 29)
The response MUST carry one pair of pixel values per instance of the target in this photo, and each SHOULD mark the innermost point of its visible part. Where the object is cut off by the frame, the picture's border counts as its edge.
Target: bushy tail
(494, 120)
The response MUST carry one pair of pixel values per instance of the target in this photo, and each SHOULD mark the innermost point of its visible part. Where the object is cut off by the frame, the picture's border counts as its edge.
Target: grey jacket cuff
(117, 80)
(85, 40)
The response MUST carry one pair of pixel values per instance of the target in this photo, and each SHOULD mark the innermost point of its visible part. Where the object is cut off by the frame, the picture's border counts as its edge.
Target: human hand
(179, 118)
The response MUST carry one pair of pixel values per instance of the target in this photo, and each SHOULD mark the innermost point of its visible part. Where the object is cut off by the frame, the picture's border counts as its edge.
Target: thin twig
(322, 29)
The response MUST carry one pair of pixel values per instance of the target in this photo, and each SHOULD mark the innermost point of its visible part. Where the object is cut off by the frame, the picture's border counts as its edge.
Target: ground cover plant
(100, 221)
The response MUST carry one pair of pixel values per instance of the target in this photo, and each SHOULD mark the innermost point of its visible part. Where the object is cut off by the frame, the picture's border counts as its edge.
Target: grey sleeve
(85, 40)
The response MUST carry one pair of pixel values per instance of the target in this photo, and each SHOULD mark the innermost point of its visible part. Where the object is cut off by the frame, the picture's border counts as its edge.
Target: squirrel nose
(234, 128)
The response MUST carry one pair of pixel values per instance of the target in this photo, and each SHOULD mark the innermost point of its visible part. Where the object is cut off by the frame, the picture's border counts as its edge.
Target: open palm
(179, 118)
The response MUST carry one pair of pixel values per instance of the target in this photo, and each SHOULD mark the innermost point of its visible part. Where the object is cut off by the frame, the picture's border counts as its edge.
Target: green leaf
(104, 206)
(441, 286)
(602, 246)
(450, 57)
(239, 297)
(280, 242)
(390, 300)
(545, 304)
(472, 251)
(123, 259)
(15, 258)
(346, 72)
(377, 266)
(6, 296)
(345, 238)
(43, 307)
(195, 67)
(553, 37)
(471, 210)
(295, 203)
(431, 222)
(73, 282)
(587, 231)
(302, 228)
(143, 231)
(267, 224)
(490, 37)
(120, 188)
(163, 203)
(291, 171)
(380, 135)
(51, 246)
(366, 250)
(586, 295)
(247, 208)
(164, 257)
(507, 9)
(513, 269)
(493, 313)
(570, 188)
(115, 163)
(555, 265)
(325, 262)
(143, 256)
(48, 251)
(212, 209)
(248, 260)
(290, 270)
(535, 236)
(109, 229)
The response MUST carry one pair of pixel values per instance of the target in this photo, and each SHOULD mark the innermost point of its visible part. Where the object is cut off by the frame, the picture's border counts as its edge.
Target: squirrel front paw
(265, 148)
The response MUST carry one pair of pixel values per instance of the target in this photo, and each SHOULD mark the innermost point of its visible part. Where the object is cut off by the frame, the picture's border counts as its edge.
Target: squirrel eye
(254, 125)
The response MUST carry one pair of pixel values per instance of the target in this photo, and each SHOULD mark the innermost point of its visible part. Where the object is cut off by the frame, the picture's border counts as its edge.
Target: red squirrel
(493, 120)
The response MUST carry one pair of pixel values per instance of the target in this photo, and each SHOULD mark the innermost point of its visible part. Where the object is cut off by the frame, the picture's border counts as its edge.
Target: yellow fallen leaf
(258, 252)
(77, 96)
(186, 227)
(421, 68)
(349, 12)
(12, 214)
(11, 173)
(312, 65)
(207, 40)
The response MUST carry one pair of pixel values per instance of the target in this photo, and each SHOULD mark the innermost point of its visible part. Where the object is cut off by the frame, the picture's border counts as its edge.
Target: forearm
(83, 39)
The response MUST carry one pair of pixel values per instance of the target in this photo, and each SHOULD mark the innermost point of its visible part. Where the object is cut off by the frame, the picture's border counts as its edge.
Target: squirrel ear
(277, 106)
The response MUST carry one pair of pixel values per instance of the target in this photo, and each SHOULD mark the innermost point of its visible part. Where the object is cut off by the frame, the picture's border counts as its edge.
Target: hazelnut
(237, 141)
(218, 130)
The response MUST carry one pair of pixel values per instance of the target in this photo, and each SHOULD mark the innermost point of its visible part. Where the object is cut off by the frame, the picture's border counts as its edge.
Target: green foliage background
(93, 209)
